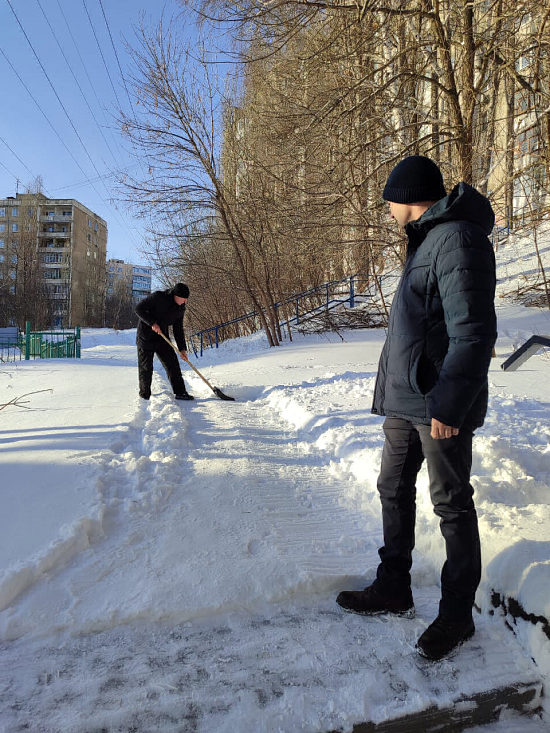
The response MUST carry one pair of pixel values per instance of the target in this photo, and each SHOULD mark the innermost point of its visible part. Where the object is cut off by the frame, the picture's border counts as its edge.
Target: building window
(15, 212)
(67, 213)
(13, 274)
(2, 227)
(14, 259)
(89, 237)
(2, 212)
(89, 222)
(2, 243)
(53, 274)
(15, 227)
(95, 227)
(1, 258)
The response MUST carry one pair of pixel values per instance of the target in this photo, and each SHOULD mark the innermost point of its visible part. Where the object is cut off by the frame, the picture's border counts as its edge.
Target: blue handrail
(214, 331)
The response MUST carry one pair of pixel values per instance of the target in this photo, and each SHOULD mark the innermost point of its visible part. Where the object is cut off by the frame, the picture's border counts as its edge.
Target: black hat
(181, 290)
(416, 178)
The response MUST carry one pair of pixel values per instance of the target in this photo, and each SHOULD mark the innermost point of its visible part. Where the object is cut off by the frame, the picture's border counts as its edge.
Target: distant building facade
(137, 278)
(63, 244)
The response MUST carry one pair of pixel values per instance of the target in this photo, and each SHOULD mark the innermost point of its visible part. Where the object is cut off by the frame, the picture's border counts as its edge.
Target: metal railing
(54, 344)
(315, 300)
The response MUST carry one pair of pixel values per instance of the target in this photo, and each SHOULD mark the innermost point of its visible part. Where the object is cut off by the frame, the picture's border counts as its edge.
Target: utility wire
(11, 174)
(66, 113)
(42, 111)
(116, 55)
(54, 90)
(120, 69)
(77, 83)
(101, 52)
(89, 80)
(89, 181)
(132, 110)
(22, 163)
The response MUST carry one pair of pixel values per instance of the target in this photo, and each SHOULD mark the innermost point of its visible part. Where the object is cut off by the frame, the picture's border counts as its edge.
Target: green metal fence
(59, 344)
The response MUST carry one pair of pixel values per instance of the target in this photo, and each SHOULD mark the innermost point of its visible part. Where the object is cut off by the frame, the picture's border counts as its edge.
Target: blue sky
(29, 146)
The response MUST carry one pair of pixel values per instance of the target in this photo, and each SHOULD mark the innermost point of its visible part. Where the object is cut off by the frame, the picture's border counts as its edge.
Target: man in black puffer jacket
(432, 388)
(157, 312)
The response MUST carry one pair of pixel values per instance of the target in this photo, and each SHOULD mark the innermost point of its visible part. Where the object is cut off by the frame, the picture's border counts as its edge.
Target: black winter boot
(184, 396)
(443, 636)
(370, 602)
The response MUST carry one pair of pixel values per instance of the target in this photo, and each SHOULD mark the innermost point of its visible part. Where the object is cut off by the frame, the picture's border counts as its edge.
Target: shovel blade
(222, 396)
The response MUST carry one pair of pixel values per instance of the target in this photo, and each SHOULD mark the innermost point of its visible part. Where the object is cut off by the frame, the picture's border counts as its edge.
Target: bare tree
(179, 130)
(119, 305)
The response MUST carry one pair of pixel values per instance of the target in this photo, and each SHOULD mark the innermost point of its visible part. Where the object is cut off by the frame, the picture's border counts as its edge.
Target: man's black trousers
(449, 464)
(169, 361)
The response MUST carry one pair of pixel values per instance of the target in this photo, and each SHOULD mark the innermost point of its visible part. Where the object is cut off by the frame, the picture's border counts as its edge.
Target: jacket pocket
(415, 366)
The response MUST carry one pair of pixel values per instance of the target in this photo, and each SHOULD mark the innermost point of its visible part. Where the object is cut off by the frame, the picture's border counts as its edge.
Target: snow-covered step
(466, 712)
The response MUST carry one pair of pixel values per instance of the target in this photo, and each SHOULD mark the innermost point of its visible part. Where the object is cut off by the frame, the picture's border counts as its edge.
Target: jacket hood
(464, 203)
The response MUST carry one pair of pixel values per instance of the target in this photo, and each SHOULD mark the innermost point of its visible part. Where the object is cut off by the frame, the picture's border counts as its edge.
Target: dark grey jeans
(169, 361)
(449, 464)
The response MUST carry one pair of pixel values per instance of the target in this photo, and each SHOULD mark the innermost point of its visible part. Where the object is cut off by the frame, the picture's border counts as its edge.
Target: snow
(173, 567)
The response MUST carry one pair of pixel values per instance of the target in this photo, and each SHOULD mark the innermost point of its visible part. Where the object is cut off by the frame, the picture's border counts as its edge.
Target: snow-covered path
(197, 590)
(193, 495)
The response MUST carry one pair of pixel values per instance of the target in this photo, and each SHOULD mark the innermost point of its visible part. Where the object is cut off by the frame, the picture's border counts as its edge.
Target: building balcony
(55, 235)
(56, 218)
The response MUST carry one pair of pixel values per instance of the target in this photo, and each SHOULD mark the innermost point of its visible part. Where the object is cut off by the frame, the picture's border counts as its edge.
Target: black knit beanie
(181, 290)
(416, 178)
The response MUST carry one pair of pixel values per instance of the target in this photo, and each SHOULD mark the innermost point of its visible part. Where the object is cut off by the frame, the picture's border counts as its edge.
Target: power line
(132, 110)
(89, 181)
(64, 110)
(19, 159)
(118, 61)
(89, 78)
(54, 89)
(41, 110)
(76, 81)
(11, 174)
(101, 52)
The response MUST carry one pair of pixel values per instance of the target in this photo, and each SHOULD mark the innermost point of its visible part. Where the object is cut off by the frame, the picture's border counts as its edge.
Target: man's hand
(184, 355)
(156, 328)
(440, 430)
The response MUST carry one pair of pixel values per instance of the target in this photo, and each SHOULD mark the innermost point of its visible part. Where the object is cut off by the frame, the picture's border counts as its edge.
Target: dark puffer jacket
(442, 325)
(160, 307)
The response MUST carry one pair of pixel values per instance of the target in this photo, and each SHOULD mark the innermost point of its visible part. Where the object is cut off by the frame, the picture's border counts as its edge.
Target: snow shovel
(217, 391)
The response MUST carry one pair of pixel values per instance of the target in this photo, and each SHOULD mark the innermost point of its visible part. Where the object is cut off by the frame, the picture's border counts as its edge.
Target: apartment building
(518, 180)
(60, 245)
(137, 278)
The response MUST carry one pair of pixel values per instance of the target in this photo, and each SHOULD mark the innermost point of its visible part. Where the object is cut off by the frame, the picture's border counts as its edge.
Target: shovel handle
(193, 367)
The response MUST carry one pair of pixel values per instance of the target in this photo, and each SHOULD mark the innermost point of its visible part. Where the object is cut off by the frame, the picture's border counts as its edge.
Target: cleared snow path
(194, 495)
